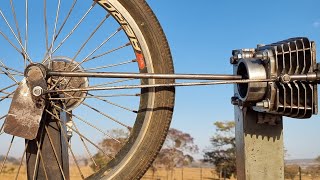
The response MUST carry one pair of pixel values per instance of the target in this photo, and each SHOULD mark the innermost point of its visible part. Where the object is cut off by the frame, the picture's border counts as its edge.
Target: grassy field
(10, 172)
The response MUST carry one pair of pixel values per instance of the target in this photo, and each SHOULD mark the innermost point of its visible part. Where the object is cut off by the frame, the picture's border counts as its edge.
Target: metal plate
(24, 115)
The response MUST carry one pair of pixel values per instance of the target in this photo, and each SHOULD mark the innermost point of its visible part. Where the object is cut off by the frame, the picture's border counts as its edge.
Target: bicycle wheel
(124, 129)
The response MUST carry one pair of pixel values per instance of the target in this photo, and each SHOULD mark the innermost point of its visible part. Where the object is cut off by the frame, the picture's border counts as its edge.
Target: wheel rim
(26, 40)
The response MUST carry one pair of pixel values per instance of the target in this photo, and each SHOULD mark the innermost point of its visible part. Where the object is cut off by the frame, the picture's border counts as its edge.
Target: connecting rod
(145, 75)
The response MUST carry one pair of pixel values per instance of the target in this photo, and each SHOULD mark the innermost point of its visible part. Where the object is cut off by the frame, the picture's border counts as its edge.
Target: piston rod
(145, 75)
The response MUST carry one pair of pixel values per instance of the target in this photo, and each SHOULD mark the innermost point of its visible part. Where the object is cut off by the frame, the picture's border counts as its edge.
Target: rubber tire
(164, 98)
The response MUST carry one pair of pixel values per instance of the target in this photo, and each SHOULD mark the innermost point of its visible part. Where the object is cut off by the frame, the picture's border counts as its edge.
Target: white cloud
(316, 24)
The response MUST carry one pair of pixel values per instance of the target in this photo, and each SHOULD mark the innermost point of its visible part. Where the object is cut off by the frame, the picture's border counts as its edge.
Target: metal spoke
(75, 27)
(95, 145)
(83, 142)
(10, 42)
(113, 82)
(59, 31)
(85, 146)
(66, 140)
(43, 164)
(39, 155)
(66, 19)
(105, 115)
(85, 43)
(108, 52)
(3, 89)
(6, 97)
(22, 158)
(11, 69)
(97, 48)
(2, 126)
(6, 157)
(26, 32)
(14, 74)
(107, 101)
(24, 50)
(46, 24)
(86, 58)
(55, 28)
(114, 104)
(111, 65)
(4, 92)
(86, 122)
(8, 73)
(55, 152)
(3, 117)
(15, 20)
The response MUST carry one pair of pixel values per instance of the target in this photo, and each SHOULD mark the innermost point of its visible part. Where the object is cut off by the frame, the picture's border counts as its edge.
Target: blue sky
(202, 34)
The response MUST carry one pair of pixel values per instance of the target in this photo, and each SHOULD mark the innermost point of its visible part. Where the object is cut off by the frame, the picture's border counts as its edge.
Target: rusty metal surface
(52, 163)
(24, 115)
(66, 64)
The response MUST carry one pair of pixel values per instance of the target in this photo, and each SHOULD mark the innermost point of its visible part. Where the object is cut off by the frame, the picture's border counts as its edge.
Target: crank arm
(28, 104)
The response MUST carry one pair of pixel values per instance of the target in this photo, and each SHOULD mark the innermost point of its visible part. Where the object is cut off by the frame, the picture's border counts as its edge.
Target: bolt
(285, 78)
(236, 101)
(263, 104)
(233, 60)
(37, 91)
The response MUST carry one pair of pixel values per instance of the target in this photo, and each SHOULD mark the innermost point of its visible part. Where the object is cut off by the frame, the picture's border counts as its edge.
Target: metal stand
(45, 163)
(259, 147)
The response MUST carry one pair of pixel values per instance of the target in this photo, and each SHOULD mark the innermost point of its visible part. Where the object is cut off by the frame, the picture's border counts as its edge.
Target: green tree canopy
(222, 153)
(177, 150)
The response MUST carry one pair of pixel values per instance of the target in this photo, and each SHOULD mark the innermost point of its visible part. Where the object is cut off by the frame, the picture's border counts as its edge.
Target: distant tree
(290, 171)
(222, 154)
(318, 159)
(313, 171)
(10, 159)
(110, 146)
(177, 150)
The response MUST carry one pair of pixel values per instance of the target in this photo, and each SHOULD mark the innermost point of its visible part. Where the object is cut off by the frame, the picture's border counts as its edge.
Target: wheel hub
(74, 99)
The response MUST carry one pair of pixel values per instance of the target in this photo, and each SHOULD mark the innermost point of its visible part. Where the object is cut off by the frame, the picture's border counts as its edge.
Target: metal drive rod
(160, 85)
(145, 75)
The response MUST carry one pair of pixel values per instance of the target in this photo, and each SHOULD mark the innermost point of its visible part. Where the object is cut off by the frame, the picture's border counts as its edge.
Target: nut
(37, 91)
(263, 104)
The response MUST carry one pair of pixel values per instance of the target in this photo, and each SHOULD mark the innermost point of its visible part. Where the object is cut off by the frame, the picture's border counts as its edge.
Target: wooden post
(300, 175)
(47, 166)
(259, 147)
(182, 173)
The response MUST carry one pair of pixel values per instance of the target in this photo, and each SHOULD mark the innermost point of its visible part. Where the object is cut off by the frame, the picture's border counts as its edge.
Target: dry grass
(182, 174)
(177, 173)
(10, 172)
